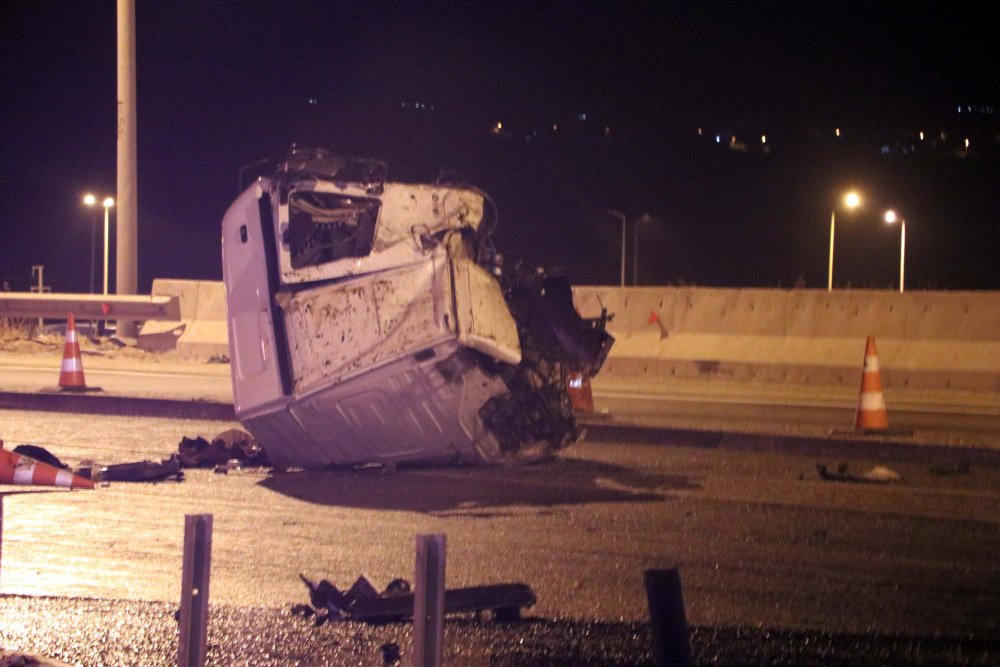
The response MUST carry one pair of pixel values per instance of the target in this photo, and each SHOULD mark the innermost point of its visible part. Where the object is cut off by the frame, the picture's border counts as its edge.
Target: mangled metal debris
(363, 602)
(230, 445)
(371, 322)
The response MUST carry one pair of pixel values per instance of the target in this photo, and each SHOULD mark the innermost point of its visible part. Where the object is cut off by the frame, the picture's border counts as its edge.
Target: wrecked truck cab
(366, 324)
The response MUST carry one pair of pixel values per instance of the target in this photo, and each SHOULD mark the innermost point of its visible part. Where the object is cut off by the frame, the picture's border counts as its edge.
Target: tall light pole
(645, 217)
(107, 204)
(89, 201)
(127, 247)
(891, 218)
(620, 216)
(851, 200)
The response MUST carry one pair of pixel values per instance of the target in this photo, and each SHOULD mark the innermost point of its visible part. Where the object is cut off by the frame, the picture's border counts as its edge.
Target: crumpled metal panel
(338, 330)
(484, 320)
(409, 214)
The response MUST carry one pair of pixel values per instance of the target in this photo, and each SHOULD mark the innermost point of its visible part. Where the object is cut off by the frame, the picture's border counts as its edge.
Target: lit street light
(851, 200)
(620, 216)
(91, 200)
(891, 218)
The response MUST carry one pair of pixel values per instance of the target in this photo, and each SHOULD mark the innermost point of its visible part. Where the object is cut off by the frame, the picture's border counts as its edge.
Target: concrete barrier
(926, 340)
(201, 330)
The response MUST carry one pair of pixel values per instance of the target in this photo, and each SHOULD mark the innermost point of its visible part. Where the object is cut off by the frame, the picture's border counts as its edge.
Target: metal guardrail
(89, 306)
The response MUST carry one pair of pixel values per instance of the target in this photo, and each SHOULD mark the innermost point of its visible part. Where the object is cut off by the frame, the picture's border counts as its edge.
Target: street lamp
(91, 200)
(851, 200)
(645, 217)
(620, 216)
(891, 218)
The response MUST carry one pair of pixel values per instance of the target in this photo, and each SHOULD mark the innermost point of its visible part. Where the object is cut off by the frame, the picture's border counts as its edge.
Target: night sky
(599, 103)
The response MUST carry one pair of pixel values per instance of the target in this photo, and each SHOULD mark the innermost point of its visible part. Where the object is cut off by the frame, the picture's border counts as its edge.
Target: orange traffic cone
(18, 469)
(871, 414)
(578, 388)
(71, 372)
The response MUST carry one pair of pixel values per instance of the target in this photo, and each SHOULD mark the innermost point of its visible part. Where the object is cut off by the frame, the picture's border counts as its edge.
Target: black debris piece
(41, 455)
(362, 602)
(232, 444)
(142, 471)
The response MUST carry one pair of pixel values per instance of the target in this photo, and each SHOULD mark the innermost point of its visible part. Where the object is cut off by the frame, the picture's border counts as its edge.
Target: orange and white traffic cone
(19, 469)
(71, 372)
(871, 414)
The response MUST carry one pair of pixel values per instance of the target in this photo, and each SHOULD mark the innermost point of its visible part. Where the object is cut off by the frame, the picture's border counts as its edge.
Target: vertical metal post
(666, 618)
(127, 247)
(829, 268)
(428, 602)
(194, 590)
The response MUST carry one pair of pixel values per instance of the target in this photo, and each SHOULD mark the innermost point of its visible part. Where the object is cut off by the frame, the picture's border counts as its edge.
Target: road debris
(40, 454)
(141, 471)
(877, 475)
(232, 444)
(363, 602)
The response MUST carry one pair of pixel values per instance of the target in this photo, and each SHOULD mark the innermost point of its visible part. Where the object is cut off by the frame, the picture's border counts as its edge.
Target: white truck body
(362, 328)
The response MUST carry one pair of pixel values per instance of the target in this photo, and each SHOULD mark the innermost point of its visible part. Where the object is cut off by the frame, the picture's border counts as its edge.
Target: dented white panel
(338, 330)
(484, 320)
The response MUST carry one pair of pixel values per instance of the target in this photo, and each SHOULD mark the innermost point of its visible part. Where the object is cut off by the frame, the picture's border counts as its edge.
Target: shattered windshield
(325, 226)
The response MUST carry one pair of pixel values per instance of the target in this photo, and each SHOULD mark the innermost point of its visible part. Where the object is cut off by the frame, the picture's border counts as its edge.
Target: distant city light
(498, 128)
(921, 135)
(966, 143)
(581, 116)
(700, 131)
(718, 139)
(313, 100)
(763, 138)
(555, 127)
(836, 132)
(607, 131)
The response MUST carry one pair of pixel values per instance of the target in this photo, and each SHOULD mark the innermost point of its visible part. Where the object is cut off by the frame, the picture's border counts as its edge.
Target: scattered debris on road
(142, 471)
(363, 602)
(235, 444)
(878, 475)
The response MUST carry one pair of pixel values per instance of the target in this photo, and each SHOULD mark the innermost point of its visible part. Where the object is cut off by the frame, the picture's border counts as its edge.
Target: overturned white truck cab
(368, 323)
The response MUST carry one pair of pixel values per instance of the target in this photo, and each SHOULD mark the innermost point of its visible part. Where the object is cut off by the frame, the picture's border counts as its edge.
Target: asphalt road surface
(766, 548)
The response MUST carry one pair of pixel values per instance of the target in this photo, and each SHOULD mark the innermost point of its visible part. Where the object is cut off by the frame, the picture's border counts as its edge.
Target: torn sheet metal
(369, 322)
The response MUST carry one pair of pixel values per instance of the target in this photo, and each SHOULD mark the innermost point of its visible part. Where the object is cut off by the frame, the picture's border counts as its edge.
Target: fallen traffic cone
(871, 414)
(19, 469)
(71, 372)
